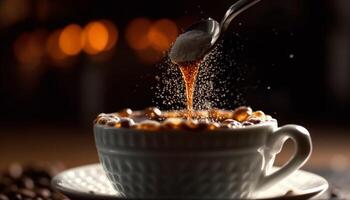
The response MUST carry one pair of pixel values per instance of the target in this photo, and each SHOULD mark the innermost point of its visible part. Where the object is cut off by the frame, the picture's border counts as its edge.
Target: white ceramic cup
(218, 164)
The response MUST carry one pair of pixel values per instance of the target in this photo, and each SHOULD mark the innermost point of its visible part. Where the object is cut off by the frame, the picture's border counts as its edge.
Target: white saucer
(90, 182)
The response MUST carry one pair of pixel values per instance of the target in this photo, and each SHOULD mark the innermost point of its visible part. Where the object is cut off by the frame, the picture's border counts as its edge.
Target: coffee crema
(152, 119)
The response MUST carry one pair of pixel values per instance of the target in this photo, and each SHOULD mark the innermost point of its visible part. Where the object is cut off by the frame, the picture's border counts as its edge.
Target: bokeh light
(113, 34)
(29, 47)
(52, 46)
(136, 33)
(149, 55)
(70, 41)
(162, 34)
(13, 11)
(29, 50)
(95, 37)
(150, 39)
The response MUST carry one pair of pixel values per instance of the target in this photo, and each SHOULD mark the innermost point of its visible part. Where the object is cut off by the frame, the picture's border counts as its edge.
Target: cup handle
(303, 148)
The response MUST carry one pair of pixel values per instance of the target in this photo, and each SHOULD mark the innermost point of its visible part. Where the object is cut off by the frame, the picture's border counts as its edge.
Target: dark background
(289, 58)
(295, 55)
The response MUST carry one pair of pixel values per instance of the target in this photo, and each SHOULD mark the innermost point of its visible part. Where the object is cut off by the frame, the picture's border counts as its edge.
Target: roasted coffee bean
(213, 126)
(43, 182)
(18, 197)
(15, 170)
(112, 116)
(102, 120)
(153, 113)
(172, 123)
(190, 124)
(258, 114)
(27, 193)
(231, 123)
(228, 121)
(242, 113)
(125, 123)
(201, 125)
(101, 115)
(125, 112)
(247, 123)
(27, 183)
(3, 197)
(58, 196)
(42, 192)
(113, 121)
(254, 120)
(148, 125)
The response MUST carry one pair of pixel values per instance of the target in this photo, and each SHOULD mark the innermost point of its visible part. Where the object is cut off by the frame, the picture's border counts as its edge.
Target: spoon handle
(234, 11)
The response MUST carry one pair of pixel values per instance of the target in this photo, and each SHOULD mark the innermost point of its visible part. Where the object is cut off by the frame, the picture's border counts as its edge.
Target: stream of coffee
(189, 73)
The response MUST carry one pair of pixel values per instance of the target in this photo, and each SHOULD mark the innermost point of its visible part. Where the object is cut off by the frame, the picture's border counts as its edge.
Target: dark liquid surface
(189, 73)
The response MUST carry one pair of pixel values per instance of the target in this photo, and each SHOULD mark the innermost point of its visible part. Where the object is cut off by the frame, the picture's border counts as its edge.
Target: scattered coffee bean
(213, 126)
(44, 182)
(254, 120)
(235, 124)
(172, 123)
(201, 125)
(153, 113)
(15, 170)
(3, 197)
(101, 115)
(33, 183)
(102, 120)
(247, 123)
(189, 124)
(148, 125)
(43, 192)
(113, 121)
(125, 112)
(27, 193)
(242, 113)
(125, 123)
(258, 114)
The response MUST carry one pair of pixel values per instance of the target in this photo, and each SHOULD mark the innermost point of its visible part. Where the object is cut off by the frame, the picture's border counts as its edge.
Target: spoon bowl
(201, 37)
(195, 42)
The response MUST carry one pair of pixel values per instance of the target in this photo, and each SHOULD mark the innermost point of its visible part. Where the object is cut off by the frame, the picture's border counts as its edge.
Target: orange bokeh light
(136, 33)
(95, 37)
(162, 34)
(52, 46)
(70, 41)
(29, 47)
(113, 34)
(149, 55)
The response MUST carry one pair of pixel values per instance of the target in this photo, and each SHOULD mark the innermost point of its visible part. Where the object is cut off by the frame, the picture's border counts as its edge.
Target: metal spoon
(201, 37)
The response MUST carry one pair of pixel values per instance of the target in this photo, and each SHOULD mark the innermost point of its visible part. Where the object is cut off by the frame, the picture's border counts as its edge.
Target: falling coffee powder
(189, 73)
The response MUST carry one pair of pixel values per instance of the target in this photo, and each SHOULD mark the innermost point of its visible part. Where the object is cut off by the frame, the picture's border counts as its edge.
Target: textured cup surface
(184, 164)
